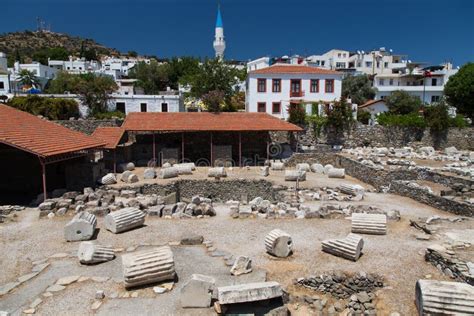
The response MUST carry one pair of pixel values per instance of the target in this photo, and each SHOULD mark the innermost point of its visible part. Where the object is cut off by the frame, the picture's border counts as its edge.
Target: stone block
(336, 173)
(248, 292)
(91, 253)
(124, 219)
(295, 175)
(108, 179)
(149, 173)
(242, 265)
(218, 172)
(81, 227)
(197, 292)
(168, 173)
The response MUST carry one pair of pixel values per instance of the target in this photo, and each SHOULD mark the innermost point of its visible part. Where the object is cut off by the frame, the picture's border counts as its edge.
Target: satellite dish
(409, 60)
(457, 67)
(390, 50)
(363, 52)
(358, 52)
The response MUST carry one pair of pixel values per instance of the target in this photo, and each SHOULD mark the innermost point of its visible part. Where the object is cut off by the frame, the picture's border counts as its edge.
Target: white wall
(253, 97)
(5, 83)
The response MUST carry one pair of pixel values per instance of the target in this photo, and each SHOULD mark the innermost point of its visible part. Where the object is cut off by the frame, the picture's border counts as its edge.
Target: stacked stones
(341, 285)
(8, 211)
(198, 208)
(446, 260)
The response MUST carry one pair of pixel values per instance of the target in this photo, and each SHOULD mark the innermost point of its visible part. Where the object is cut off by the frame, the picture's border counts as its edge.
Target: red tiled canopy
(205, 121)
(294, 69)
(40, 137)
(110, 135)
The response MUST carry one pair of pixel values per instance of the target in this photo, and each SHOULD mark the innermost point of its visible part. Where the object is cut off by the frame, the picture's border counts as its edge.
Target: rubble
(445, 259)
(242, 265)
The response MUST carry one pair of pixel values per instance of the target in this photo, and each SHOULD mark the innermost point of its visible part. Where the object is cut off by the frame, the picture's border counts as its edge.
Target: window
(120, 106)
(390, 82)
(339, 55)
(368, 64)
(322, 62)
(262, 85)
(126, 92)
(340, 65)
(434, 82)
(142, 107)
(295, 88)
(2, 85)
(359, 64)
(382, 97)
(276, 85)
(164, 107)
(314, 88)
(329, 85)
(261, 107)
(435, 98)
(276, 107)
(385, 64)
(381, 82)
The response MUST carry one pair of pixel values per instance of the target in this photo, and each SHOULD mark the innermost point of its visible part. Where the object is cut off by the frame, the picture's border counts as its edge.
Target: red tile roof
(205, 121)
(110, 135)
(40, 137)
(294, 69)
(369, 103)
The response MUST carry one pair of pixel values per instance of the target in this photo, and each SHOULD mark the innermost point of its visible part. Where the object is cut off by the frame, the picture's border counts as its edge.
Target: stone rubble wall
(89, 126)
(385, 136)
(448, 262)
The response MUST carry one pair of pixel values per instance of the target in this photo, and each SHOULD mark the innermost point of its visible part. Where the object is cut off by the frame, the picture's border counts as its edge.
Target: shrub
(297, 114)
(407, 120)
(52, 108)
(458, 121)
(340, 117)
(437, 117)
(109, 115)
(400, 102)
(363, 117)
(317, 123)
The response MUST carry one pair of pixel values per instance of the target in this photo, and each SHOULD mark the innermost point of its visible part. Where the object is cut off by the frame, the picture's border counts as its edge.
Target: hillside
(28, 45)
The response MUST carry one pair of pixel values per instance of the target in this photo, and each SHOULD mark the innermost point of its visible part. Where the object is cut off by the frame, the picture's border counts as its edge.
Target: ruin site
(135, 222)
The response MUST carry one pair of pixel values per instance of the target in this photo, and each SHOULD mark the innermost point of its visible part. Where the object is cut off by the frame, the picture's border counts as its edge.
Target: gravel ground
(397, 256)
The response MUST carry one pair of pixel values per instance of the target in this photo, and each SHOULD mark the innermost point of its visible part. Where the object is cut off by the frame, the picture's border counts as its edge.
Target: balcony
(296, 94)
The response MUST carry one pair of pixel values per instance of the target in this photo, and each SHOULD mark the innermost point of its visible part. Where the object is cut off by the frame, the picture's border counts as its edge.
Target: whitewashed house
(425, 83)
(4, 75)
(274, 89)
(75, 65)
(42, 72)
(374, 107)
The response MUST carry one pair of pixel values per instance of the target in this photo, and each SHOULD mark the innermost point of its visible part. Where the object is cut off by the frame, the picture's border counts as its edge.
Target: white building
(425, 83)
(374, 107)
(75, 65)
(119, 67)
(219, 41)
(275, 88)
(4, 75)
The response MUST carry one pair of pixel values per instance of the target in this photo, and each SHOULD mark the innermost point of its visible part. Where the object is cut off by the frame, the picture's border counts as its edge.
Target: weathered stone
(99, 295)
(192, 240)
(67, 280)
(183, 169)
(155, 210)
(265, 171)
(128, 194)
(242, 265)
(4, 289)
(444, 298)
(125, 176)
(129, 166)
(149, 173)
(279, 243)
(197, 292)
(124, 219)
(295, 175)
(91, 253)
(327, 168)
(352, 189)
(108, 179)
(218, 172)
(27, 277)
(349, 247)
(55, 288)
(277, 166)
(303, 167)
(317, 168)
(186, 164)
(375, 224)
(336, 173)
(167, 173)
(47, 205)
(132, 178)
(249, 292)
(148, 266)
(81, 227)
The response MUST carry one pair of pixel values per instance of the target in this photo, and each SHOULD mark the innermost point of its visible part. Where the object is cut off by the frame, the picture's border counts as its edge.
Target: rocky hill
(27, 43)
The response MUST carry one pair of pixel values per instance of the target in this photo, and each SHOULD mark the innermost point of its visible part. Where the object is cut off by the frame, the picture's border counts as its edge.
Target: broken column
(336, 173)
(277, 166)
(444, 298)
(327, 168)
(375, 224)
(124, 219)
(218, 172)
(265, 171)
(197, 292)
(279, 243)
(109, 178)
(303, 167)
(248, 292)
(295, 175)
(349, 247)
(242, 265)
(90, 253)
(352, 189)
(81, 227)
(148, 266)
(183, 168)
(167, 173)
(317, 168)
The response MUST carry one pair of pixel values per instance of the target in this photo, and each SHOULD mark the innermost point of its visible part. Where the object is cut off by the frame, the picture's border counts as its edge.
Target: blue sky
(429, 31)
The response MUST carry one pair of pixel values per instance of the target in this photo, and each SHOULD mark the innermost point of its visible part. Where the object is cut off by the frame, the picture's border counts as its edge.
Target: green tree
(63, 83)
(340, 116)
(400, 102)
(54, 53)
(459, 90)
(52, 108)
(181, 70)
(296, 114)
(358, 88)
(152, 78)
(28, 78)
(213, 100)
(90, 54)
(94, 92)
(132, 53)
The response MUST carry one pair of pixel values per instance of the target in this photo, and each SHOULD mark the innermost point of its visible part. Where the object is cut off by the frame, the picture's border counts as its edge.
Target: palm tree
(28, 78)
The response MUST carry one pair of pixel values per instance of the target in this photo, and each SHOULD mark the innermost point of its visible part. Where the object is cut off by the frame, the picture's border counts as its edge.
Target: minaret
(219, 42)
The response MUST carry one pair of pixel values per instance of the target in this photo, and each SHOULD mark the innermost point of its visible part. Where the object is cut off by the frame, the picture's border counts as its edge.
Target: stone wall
(382, 136)
(323, 158)
(89, 126)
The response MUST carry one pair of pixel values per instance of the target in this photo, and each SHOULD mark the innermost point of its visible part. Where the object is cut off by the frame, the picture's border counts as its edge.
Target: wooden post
(115, 160)
(268, 150)
(182, 147)
(240, 149)
(212, 160)
(43, 173)
(297, 139)
(154, 148)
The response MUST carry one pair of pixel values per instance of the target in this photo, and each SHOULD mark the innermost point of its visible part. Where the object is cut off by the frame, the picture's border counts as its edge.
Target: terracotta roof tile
(369, 103)
(40, 137)
(294, 69)
(205, 121)
(110, 135)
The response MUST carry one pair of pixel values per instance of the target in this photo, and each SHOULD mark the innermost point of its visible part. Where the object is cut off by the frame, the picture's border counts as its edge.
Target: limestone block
(374, 224)
(124, 219)
(327, 168)
(242, 265)
(197, 292)
(349, 247)
(109, 178)
(183, 168)
(294, 175)
(279, 243)
(186, 164)
(265, 171)
(303, 167)
(167, 173)
(317, 168)
(351, 189)
(91, 253)
(47, 205)
(248, 292)
(428, 150)
(218, 172)
(132, 178)
(149, 173)
(125, 175)
(277, 166)
(148, 266)
(444, 298)
(336, 173)
(81, 227)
